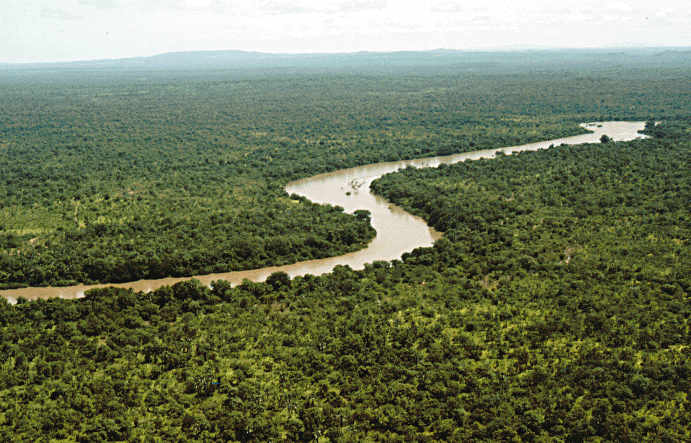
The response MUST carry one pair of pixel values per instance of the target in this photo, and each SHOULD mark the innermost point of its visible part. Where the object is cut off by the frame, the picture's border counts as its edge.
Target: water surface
(397, 230)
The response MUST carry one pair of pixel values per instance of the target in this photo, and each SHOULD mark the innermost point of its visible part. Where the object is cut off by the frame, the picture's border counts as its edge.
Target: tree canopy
(555, 308)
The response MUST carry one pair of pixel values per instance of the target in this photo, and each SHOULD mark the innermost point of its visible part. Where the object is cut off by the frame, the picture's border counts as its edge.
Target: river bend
(397, 230)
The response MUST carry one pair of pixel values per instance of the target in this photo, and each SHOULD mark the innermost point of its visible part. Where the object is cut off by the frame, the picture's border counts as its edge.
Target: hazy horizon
(83, 30)
(241, 53)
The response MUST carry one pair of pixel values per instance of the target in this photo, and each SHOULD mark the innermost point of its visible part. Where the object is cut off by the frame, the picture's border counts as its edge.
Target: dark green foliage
(531, 326)
(278, 280)
(363, 215)
(556, 307)
(110, 181)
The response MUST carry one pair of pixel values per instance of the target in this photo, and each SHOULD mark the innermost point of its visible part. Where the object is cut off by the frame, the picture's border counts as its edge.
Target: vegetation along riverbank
(555, 308)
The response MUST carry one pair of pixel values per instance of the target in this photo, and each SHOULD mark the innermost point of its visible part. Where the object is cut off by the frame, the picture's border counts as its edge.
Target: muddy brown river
(397, 231)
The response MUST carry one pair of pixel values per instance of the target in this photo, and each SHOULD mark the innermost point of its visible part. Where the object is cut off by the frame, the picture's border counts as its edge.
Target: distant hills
(445, 59)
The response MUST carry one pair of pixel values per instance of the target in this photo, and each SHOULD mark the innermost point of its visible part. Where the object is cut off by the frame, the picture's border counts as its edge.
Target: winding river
(397, 231)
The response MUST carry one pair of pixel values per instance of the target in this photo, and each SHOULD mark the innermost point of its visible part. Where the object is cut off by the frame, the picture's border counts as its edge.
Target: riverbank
(397, 230)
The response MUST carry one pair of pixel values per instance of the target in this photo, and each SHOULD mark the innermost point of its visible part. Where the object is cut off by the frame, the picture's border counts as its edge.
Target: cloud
(58, 14)
(291, 7)
(199, 4)
(447, 7)
(580, 17)
(361, 5)
(100, 4)
(665, 13)
(305, 7)
(170, 5)
(617, 18)
(619, 6)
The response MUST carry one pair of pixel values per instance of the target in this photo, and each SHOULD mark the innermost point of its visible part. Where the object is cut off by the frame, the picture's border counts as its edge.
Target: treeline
(93, 176)
(547, 313)
(106, 183)
(183, 243)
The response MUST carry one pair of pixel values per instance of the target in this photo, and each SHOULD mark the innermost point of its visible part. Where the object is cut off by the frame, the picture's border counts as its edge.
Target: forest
(103, 183)
(554, 316)
(108, 179)
(556, 307)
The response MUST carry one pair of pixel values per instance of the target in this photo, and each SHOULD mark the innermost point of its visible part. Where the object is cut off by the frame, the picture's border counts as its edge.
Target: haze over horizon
(79, 30)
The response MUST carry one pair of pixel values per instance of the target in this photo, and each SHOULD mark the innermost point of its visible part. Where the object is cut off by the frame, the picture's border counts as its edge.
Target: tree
(605, 139)
(278, 280)
(363, 215)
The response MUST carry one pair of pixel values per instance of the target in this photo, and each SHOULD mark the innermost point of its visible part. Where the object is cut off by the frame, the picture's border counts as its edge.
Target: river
(397, 231)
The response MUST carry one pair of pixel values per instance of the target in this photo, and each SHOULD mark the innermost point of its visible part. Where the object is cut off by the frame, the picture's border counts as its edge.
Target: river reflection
(397, 230)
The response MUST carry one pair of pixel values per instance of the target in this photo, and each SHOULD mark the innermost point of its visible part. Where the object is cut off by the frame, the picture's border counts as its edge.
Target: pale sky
(69, 30)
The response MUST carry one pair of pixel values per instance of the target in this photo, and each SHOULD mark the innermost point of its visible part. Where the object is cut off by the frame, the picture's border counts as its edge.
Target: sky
(71, 30)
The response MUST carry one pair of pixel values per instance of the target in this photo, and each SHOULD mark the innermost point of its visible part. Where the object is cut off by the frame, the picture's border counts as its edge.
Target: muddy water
(397, 231)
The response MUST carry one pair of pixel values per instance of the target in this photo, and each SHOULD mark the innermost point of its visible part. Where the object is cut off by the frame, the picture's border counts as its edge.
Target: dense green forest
(112, 183)
(111, 178)
(556, 308)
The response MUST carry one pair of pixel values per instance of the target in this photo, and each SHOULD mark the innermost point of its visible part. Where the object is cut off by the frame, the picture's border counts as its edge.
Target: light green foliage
(106, 179)
(495, 333)
(556, 307)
